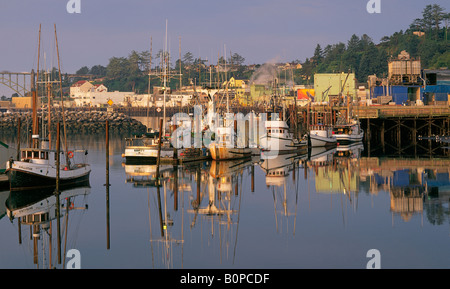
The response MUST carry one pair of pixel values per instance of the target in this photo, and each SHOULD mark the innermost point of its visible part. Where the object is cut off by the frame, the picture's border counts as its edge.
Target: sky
(259, 30)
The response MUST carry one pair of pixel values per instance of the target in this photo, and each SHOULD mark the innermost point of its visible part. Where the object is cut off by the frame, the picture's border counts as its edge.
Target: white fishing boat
(321, 136)
(278, 139)
(348, 132)
(37, 168)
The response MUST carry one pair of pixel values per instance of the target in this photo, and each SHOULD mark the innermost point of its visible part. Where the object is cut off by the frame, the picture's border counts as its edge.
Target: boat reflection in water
(38, 209)
(285, 193)
(212, 190)
(200, 206)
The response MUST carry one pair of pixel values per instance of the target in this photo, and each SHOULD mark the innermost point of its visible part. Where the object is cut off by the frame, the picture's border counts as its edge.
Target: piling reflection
(38, 210)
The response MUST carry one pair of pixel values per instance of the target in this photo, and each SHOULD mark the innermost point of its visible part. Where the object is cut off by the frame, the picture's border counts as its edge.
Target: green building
(328, 85)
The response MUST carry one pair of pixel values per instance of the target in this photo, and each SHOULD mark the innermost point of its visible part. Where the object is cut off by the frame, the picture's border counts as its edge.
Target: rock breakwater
(76, 122)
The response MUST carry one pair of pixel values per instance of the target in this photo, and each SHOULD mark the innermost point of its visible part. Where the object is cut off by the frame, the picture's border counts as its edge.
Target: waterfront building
(24, 102)
(330, 85)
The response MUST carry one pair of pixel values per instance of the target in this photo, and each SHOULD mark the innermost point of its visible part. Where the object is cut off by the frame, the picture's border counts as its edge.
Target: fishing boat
(224, 146)
(322, 136)
(278, 139)
(37, 166)
(227, 144)
(348, 132)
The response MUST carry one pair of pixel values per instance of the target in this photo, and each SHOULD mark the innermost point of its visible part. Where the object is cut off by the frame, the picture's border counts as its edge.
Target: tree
(117, 68)
(318, 55)
(188, 58)
(236, 59)
(98, 70)
(437, 15)
(83, 70)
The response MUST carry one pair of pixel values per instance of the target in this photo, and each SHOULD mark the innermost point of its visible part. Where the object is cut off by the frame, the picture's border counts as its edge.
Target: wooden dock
(390, 111)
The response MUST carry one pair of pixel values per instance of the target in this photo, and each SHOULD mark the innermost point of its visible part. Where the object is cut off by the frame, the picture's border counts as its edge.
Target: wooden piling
(57, 192)
(158, 159)
(18, 139)
(107, 185)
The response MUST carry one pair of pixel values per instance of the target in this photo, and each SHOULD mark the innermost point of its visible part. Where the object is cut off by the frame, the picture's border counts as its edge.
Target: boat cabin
(37, 155)
(277, 128)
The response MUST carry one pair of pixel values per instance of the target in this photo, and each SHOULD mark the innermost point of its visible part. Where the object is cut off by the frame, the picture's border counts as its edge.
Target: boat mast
(165, 80)
(62, 101)
(34, 90)
(226, 76)
(149, 82)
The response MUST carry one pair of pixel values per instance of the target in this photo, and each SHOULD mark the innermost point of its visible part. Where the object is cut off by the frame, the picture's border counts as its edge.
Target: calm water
(322, 211)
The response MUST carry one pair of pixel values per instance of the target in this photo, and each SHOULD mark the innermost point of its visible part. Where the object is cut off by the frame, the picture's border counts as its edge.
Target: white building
(97, 99)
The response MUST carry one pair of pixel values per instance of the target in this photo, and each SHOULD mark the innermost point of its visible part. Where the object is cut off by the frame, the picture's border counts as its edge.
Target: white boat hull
(321, 138)
(281, 145)
(24, 175)
(346, 138)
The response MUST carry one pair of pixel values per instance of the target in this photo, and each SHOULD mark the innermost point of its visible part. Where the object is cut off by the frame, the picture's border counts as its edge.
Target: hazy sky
(259, 30)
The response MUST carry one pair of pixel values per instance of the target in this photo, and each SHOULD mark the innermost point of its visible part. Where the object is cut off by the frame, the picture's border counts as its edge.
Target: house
(235, 83)
(81, 86)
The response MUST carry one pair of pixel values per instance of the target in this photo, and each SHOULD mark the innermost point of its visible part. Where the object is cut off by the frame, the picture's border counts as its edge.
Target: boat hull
(224, 153)
(282, 145)
(318, 140)
(349, 138)
(20, 179)
(149, 155)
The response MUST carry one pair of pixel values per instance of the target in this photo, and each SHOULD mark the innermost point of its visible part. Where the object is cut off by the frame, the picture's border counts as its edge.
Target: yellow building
(235, 83)
(24, 102)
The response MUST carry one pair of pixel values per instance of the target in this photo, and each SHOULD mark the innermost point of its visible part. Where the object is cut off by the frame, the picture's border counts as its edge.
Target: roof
(79, 83)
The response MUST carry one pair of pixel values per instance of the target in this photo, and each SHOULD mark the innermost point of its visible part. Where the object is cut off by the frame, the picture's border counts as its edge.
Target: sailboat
(37, 165)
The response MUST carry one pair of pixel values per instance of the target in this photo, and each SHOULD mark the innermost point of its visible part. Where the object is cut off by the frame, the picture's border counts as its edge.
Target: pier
(401, 127)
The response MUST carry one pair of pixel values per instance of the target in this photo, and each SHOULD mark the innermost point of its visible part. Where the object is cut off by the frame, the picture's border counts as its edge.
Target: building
(331, 85)
(81, 86)
(404, 70)
(100, 99)
(24, 102)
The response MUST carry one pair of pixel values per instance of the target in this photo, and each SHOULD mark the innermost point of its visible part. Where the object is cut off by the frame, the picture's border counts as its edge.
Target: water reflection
(215, 190)
(414, 185)
(281, 212)
(38, 210)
